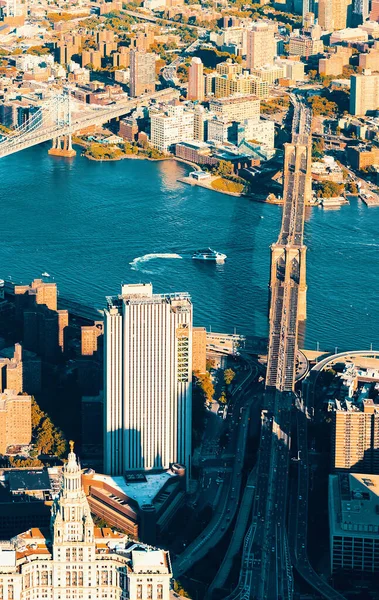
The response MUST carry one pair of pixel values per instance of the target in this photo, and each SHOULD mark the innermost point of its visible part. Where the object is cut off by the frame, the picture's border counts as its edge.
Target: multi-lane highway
(229, 492)
(298, 514)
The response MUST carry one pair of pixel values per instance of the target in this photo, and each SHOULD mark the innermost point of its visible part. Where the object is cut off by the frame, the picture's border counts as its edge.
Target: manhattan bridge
(56, 120)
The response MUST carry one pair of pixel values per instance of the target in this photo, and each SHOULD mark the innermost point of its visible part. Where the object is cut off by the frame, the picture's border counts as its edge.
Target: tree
(37, 415)
(318, 148)
(222, 399)
(330, 189)
(352, 187)
(48, 438)
(18, 461)
(229, 375)
(210, 364)
(312, 74)
(178, 588)
(38, 50)
(322, 106)
(225, 168)
(204, 382)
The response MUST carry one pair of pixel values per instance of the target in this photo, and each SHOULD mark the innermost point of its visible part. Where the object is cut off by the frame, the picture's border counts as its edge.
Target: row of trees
(229, 375)
(47, 438)
(103, 152)
(322, 106)
(330, 189)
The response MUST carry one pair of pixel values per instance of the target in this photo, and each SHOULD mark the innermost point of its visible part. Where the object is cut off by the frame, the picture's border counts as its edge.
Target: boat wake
(138, 263)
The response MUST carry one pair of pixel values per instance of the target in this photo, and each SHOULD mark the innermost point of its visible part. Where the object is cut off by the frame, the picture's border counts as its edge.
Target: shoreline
(208, 186)
(140, 157)
(124, 157)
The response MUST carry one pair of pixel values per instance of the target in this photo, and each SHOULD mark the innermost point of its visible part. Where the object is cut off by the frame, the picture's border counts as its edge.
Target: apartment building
(333, 63)
(90, 335)
(353, 522)
(355, 438)
(199, 349)
(196, 80)
(15, 420)
(236, 108)
(11, 371)
(173, 125)
(364, 93)
(232, 80)
(370, 59)
(261, 45)
(142, 72)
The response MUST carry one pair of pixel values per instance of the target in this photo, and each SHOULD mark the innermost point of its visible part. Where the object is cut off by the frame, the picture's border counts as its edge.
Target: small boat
(45, 274)
(209, 254)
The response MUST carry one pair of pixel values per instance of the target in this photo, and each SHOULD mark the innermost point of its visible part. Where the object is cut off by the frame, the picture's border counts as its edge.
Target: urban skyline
(213, 465)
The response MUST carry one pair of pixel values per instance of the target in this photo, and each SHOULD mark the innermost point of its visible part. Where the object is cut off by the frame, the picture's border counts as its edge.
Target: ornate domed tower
(72, 523)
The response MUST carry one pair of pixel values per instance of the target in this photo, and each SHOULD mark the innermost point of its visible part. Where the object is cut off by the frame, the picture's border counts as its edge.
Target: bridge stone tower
(288, 255)
(62, 145)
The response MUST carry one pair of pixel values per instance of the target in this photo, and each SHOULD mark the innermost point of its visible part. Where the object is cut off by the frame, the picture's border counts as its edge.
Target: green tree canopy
(330, 189)
(229, 375)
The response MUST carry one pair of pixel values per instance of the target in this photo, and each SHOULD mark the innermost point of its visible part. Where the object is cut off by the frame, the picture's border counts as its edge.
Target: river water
(94, 225)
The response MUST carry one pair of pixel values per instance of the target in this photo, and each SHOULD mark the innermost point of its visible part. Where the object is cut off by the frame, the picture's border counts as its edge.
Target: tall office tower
(142, 73)
(355, 443)
(306, 8)
(11, 8)
(364, 93)
(325, 14)
(148, 371)
(261, 46)
(196, 80)
(334, 14)
(374, 13)
(360, 11)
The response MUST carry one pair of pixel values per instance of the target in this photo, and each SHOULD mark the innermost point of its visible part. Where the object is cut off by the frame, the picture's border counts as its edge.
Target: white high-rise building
(78, 561)
(172, 126)
(148, 373)
(261, 45)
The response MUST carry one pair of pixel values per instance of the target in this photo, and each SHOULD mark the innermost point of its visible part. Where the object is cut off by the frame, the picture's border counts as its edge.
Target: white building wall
(113, 373)
(148, 357)
(261, 131)
(172, 127)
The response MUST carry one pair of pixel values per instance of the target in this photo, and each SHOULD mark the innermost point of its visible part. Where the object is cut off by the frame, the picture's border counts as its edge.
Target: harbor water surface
(94, 225)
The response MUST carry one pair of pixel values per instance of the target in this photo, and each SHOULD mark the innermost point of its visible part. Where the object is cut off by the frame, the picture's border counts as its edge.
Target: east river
(94, 225)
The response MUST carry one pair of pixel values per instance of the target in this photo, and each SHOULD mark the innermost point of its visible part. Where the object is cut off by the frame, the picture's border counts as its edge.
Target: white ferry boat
(209, 254)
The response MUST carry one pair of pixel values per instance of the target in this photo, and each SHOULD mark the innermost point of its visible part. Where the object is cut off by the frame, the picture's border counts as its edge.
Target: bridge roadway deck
(271, 568)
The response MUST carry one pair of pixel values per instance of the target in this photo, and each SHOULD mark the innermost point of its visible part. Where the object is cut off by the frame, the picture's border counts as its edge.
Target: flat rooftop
(354, 504)
(33, 480)
(143, 561)
(143, 492)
